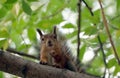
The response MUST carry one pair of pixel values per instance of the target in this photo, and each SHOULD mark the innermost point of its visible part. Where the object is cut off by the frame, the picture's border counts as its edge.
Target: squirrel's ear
(39, 31)
(54, 31)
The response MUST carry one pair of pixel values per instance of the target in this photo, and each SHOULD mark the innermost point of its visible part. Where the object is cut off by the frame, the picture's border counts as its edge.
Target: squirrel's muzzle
(49, 43)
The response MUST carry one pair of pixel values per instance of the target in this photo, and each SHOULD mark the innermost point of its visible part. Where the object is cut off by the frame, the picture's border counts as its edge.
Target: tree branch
(89, 8)
(108, 32)
(28, 69)
(103, 54)
(79, 28)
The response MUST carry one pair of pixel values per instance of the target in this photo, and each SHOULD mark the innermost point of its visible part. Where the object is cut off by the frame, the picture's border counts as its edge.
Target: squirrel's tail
(73, 63)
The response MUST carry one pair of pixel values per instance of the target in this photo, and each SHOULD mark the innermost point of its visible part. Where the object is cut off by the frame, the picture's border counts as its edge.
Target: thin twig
(101, 45)
(21, 53)
(103, 53)
(79, 28)
(89, 8)
(108, 32)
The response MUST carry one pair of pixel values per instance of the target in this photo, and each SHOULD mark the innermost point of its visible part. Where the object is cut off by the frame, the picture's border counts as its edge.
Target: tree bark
(24, 68)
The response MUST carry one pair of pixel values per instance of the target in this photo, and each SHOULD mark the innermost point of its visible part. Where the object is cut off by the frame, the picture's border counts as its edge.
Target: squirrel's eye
(54, 37)
(42, 39)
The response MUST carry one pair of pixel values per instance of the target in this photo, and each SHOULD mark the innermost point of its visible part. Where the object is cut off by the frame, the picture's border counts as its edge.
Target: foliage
(20, 18)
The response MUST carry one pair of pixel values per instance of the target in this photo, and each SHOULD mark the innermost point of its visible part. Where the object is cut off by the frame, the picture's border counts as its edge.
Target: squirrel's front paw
(43, 62)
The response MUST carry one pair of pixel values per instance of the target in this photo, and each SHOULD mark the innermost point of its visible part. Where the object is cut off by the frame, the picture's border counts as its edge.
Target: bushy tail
(73, 63)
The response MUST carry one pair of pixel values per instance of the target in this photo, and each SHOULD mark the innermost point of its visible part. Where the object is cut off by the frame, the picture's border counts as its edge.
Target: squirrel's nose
(49, 43)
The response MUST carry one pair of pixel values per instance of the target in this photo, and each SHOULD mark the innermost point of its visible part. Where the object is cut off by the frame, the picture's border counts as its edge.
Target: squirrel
(55, 51)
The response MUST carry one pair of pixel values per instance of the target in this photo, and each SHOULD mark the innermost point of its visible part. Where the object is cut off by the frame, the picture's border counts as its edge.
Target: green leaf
(118, 49)
(11, 1)
(16, 38)
(73, 34)
(91, 30)
(56, 7)
(72, 4)
(117, 69)
(98, 61)
(2, 42)
(109, 52)
(118, 5)
(8, 6)
(59, 5)
(118, 34)
(49, 23)
(68, 26)
(111, 62)
(96, 65)
(3, 12)
(23, 48)
(96, 17)
(26, 8)
(1, 74)
(82, 52)
(114, 23)
(4, 33)
(31, 33)
(103, 36)
(6, 45)
(74, 41)
(2, 1)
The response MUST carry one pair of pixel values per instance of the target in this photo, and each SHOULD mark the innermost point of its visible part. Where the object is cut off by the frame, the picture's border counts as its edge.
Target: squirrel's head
(48, 40)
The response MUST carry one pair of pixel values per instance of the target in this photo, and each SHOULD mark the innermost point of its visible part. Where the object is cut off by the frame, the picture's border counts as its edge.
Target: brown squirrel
(52, 47)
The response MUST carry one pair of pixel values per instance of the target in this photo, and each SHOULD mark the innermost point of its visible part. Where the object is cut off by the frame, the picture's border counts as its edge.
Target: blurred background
(20, 18)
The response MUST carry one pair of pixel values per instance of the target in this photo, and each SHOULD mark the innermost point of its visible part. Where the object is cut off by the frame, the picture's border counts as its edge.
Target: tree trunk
(28, 69)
